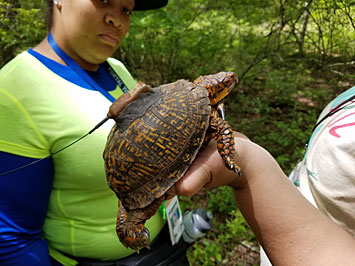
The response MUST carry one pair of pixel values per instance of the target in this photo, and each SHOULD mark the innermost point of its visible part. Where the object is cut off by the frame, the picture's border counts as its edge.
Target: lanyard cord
(81, 72)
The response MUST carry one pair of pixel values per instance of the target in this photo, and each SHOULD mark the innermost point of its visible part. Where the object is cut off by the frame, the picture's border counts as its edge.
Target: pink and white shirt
(327, 173)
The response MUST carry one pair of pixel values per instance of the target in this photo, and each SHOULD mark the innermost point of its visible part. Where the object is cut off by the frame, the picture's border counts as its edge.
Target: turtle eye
(228, 82)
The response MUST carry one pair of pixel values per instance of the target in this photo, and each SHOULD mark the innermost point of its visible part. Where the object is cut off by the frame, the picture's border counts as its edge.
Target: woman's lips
(110, 39)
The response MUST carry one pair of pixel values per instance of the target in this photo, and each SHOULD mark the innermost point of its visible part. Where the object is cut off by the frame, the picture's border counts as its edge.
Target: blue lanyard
(81, 72)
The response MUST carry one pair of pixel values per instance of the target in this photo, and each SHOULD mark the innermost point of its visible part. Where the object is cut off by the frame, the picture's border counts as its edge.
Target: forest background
(292, 57)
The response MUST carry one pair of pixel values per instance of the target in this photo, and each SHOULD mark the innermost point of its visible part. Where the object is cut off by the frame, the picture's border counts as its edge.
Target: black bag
(161, 253)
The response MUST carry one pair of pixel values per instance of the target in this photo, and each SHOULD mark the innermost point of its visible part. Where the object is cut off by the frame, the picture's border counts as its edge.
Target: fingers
(208, 170)
(195, 178)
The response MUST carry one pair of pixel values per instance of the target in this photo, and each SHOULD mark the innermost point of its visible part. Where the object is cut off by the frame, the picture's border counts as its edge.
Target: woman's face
(91, 30)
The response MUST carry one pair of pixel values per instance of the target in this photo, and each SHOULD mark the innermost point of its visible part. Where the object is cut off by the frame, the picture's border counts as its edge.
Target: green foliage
(190, 38)
(211, 249)
(205, 252)
(279, 107)
(236, 227)
(221, 200)
(291, 57)
(21, 26)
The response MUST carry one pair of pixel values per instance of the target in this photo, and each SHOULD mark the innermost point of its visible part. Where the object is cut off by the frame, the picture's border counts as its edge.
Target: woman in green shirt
(51, 95)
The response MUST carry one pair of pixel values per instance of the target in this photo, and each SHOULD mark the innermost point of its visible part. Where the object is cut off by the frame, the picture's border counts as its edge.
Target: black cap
(146, 4)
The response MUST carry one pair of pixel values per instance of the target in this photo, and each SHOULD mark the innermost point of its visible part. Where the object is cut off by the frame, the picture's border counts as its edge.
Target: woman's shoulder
(21, 59)
(21, 67)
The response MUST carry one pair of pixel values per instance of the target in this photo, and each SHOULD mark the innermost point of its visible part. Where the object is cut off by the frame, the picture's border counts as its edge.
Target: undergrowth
(276, 108)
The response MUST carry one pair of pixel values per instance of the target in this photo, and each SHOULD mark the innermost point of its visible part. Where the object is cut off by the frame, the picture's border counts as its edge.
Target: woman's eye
(104, 2)
(127, 11)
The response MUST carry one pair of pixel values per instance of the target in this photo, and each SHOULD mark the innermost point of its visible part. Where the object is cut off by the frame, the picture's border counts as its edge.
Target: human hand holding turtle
(290, 229)
(279, 215)
(208, 169)
(154, 141)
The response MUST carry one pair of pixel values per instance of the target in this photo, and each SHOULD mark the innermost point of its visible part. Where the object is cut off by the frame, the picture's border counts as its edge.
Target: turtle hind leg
(130, 225)
(222, 133)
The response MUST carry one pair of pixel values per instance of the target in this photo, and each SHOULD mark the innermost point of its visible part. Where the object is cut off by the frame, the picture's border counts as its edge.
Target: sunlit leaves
(21, 26)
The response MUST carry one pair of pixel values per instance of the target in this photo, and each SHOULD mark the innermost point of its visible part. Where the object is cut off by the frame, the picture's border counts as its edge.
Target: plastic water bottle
(197, 223)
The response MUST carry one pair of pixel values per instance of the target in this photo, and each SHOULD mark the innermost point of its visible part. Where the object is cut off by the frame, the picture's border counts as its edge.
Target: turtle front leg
(222, 133)
(130, 225)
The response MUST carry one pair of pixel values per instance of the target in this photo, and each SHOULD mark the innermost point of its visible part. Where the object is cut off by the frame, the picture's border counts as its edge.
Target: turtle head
(218, 85)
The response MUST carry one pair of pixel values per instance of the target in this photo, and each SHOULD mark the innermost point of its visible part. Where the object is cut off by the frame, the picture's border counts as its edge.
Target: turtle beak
(220, 110)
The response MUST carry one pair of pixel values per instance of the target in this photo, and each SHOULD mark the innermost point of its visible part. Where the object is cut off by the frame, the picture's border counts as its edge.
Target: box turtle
(155, 139)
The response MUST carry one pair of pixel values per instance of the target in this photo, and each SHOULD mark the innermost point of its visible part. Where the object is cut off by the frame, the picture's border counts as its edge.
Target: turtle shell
(154, 141)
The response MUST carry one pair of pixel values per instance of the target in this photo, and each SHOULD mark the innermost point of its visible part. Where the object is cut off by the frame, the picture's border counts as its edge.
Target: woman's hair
(49, 13)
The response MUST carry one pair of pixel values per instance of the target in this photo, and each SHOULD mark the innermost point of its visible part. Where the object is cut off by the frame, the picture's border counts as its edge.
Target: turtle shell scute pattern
(146, 157)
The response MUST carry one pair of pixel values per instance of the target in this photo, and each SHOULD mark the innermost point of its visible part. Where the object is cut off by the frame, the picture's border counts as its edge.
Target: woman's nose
(113, 20)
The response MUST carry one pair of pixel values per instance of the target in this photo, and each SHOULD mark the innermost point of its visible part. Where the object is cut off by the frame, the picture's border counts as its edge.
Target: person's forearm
(290, 229)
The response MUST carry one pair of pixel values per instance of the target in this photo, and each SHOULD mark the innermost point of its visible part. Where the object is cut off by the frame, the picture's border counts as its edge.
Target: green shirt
(41, 113)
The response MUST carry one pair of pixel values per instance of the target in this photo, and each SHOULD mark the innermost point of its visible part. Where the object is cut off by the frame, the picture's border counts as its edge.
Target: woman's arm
(290, 229)
(24, 196)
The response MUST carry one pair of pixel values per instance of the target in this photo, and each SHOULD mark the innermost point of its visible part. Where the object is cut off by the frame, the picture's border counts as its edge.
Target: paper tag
(175, 221)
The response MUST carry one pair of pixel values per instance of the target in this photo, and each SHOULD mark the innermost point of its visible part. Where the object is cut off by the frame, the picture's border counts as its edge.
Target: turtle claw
(134, 236)
(232, 166)
(237, 170)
